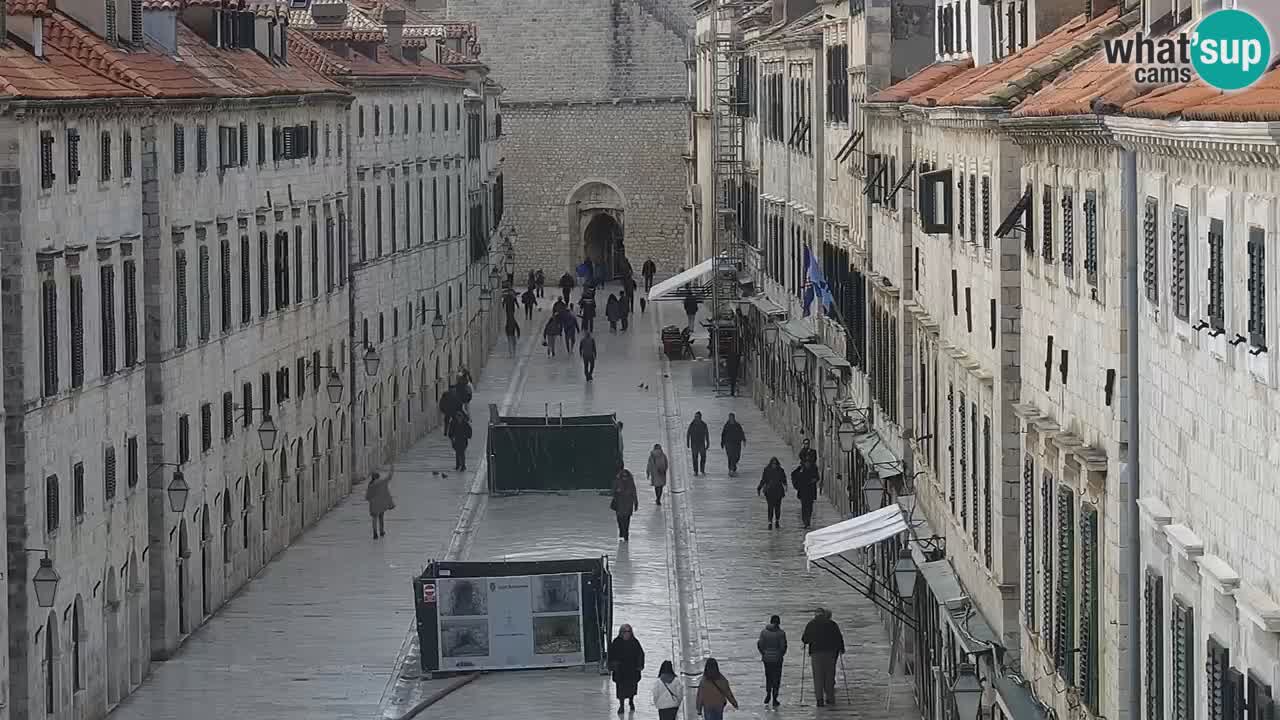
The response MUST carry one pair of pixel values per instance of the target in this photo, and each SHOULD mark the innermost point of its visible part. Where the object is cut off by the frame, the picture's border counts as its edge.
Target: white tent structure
(672, 283)
(854, 533)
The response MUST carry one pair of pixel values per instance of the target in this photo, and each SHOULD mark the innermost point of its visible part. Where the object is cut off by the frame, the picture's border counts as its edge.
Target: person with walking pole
(773, 648)
(826, 644)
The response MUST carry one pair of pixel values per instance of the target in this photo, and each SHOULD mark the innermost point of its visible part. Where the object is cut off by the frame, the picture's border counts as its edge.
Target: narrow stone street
(317, 634)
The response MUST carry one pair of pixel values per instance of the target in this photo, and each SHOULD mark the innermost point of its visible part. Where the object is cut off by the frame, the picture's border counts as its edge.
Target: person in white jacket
(668, 692)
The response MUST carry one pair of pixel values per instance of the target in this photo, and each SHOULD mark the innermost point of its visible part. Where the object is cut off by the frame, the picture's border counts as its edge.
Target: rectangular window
(391, 211)
(179, 149)
(1153, 657)
(228, 147)
(987, 490)
(73, 157)
(313, 144)
(1257, 286)
(364, 227)
(246, 400)
(262, 144)
(1151, 249)
(246, 280)
(297, 264)
(300, 379)
(202, 148)
(180, 298)
(206, 427)
(77, 499)
(202, 271)
(1029, 543)
(46, 160)
(109, 473)
(130, 313)
(243, 146)
(435, 218)
(973, 208)
(951, 447)
(282, 269)
(328, 253)
(1216, 686)
(228, 416)
(77, 331)
(422, 215)
(963, 443)
(126, 154)
(1180, 240)
(986, 212)
(1091, 237)
(104, 156)
(184, 439)
(377, 221)
(1046, 561)
(224, 282)
(1046, 225)
(1088, 642)
(107, 299)
(1216, 307)
(1064, 606)
(131, 460)
(1068, 233)
(315, 257)
(264, 274)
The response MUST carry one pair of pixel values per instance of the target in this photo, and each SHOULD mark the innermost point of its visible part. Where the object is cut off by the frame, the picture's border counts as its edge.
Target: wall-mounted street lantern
(267, 430)
(486, 295)
(372, 360)
(45, 580)
(873, 491)
(799, 359)
(178, 490)
(966, 692)
(904, 575)
(438, 325)
(846, 433)
(830, 388)
(334, 387)
(770, 331)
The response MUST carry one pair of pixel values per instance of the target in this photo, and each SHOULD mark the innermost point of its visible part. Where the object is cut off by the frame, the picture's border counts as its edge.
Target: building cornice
(1058, 130)
(966, 118)
(1254, 143)
(648, 100)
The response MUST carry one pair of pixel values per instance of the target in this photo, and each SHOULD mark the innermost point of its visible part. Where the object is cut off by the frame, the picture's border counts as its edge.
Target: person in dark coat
(806, 481)
(613, 311)
(826, 645)
(732, 438)
(698, 439)
(649, 269)
(624, 310)
(731, 365)
(509, 302)
(587, 310)
(567, 284)
(807, 453)
(513, 334)
(550, 332)
(532, 282)
(460, 437)
(540, 282)
(378, 494)
(772, 646)
(691, 308)
(773, 485)
(569, 322)
(629, 291)
(529, 299)
(587, 349)
(626, 662)
(626, 501)
(450, 404)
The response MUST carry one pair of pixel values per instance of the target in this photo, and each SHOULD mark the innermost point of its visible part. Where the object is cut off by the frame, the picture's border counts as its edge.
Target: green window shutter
(1235, 702)
(1089, 680)
(1046, 560)
(1259, 701)
(1182, 639)
(1029, 542)
(1217, 660)
(1153, 601)
(1064, 610)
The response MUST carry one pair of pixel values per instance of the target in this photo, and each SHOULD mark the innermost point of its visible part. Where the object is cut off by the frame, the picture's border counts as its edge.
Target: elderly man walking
(826, 645)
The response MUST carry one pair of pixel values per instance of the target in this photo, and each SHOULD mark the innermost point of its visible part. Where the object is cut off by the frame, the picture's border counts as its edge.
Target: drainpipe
(1129, 225)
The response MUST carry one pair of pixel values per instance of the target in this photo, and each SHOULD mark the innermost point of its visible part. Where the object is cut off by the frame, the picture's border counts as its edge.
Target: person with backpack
(773, 486)
(625, 501)
(450, 404)
(668, 692)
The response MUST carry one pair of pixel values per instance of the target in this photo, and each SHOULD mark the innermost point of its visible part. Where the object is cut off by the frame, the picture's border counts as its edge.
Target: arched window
(226, 527)
(284, 477)
(77, 632)
(51, 664)
(266, 484)
(51, 497)
(244, 516)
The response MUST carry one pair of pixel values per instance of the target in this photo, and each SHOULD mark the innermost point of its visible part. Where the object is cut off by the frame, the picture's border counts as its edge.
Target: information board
(506, 623)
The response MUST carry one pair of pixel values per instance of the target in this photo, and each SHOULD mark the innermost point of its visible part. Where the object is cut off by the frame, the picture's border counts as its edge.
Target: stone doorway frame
(591, 197)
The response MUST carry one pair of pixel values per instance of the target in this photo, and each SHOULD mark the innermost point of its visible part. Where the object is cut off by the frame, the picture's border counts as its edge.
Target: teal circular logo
(1231, 49)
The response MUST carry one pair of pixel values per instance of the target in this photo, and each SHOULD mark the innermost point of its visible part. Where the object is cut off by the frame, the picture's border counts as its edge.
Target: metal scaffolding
(728, 100)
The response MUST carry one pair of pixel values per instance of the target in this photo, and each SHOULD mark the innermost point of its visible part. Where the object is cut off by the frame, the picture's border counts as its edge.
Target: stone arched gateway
(596, 221)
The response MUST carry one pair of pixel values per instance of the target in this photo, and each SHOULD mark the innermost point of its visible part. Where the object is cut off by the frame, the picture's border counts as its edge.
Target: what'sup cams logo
(1228, 49)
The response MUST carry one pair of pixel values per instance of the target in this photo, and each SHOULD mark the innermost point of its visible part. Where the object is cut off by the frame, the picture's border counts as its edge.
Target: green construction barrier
(530, 455)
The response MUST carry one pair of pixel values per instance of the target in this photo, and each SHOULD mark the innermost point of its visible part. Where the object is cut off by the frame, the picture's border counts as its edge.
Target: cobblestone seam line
(469, 514)
(695, 643)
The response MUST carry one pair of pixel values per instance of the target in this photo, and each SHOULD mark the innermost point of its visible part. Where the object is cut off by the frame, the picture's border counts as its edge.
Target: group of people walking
(823, 644)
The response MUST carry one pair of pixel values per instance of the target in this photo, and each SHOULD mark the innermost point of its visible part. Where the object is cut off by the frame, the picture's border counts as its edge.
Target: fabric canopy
(854, 533)
(666, 286)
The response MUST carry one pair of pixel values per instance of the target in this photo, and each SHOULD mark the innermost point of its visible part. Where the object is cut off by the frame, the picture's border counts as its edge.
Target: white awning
(666, 286)
(854, 533)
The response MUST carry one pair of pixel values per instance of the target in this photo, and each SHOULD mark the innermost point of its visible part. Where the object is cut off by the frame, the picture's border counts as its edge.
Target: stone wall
(550, 151)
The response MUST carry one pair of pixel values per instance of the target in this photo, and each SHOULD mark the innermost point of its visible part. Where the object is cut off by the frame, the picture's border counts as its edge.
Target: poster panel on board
(510, 622)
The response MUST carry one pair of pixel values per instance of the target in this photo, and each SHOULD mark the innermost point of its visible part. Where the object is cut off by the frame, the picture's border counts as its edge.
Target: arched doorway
(184, 552)
(602, 243)
(137, 630)
(51, 664)
(113, 659)
(206, 563)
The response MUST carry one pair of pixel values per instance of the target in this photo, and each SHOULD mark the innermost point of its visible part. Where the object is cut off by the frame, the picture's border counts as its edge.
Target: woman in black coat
(613, 311)
(626, 660)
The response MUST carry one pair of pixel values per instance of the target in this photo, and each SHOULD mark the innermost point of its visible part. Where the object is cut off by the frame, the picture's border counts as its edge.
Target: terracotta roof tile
(1096, 86)
(1169, 101)
(1005, 82)
(55, 77)
(923, 80)
(318, 57)
(356, 27)
(1197, 101)
(34, 8)
(321, 59)
(162, 4)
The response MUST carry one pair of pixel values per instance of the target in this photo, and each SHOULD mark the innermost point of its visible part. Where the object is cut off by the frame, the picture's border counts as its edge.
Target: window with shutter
(49, 329)
(130, 312)
(1259, 702)
(297, 264)
(1064, 611)
(377, 221)
(951, 446)
(986, 211)
(1151, 249)
(77, 331)
(1153, 656)
(246, 402)
(1217, 291)
(202, 148)
(262, 144)
(422, 214)
(1047, 542)
(1180, 241)
(300, 377)
(973, 208)
(126, 151)
(963, 442)
(987, 501)
(184, 439)
(131, 461)
(179, 149)
(1182, 643)
(180, 298)
(264, 274)
(1091, 237)
(206, 427)
(328, 253)
(224, 282)
(266, 394)
(391, 211)
(1257, 286)
(342, 247)
(135, 23)
(377, 120)
(960, 206)
(1029, 542)
(77, 490)
(109, 473)
(104, 152)
(243, 148)
(315, 257)
(1089, 594)
(246, 281)
(1235, 703)
(1217, 661)
(202, 273)
(52, 497)
(315, 371)
(391, 120)
(1068, 232)
(228, 416)
(107, 301)
(46, 159)
(313, 142)
(408, 213)
(73, 157)
(1047, 252)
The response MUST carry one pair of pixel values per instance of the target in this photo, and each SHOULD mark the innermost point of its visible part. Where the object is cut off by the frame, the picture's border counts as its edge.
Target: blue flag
(817, 286)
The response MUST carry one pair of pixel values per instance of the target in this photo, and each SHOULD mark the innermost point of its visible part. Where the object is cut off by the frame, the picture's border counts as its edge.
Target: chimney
(393, 18)
(329, 14)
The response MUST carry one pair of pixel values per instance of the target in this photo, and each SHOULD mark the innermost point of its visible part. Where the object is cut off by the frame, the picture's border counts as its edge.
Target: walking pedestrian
(460, 437)
(540, 282)
(732, 438)
(690, 308)
(649, 269)
(826, 645)
(532, 281)
(587, 349)
(378, 495)
(806, 481)
(625, 501)
(714, 692)
(513, 334)
(569, 324)
(698, 439)
(529, 300)
(657, 471)
(450, 404)
(668, 692)
(807, 453)
(567, 284)
(624, 310)
(509, 301)
(731, 364)
(629, 290)
(550, 332)
(773, 648)
(626, 661)
(773, 485)
(612, 312)
(587, 309)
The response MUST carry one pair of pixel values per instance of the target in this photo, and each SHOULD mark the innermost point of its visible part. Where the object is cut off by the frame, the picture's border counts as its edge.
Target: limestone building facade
(595, 123)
